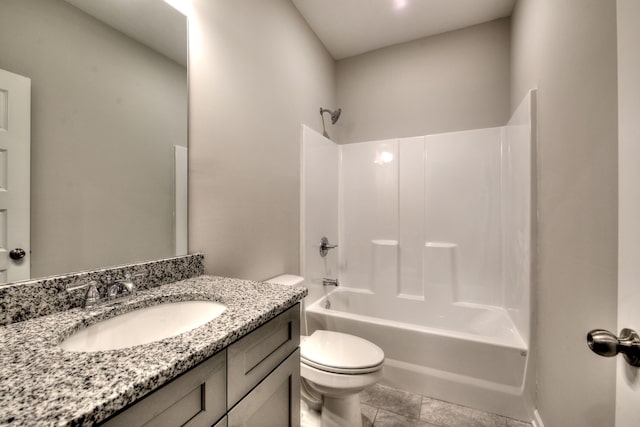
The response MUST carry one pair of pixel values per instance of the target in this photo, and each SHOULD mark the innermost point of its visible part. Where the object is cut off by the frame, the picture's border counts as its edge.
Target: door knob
(17, 253)
(606, 344)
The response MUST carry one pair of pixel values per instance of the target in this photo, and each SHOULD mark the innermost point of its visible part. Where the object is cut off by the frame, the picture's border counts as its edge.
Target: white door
(628, 378)
(15, 141)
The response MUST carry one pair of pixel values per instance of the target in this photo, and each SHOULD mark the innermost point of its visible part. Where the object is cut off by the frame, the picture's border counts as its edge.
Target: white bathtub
(471, 355)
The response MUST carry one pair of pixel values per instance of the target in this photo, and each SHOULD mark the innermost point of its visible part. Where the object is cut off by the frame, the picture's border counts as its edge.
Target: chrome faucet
(122, 288)
(118, 290)
(330, 282)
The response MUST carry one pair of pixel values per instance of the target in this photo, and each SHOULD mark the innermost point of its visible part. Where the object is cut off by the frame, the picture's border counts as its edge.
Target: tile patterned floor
(388, 407)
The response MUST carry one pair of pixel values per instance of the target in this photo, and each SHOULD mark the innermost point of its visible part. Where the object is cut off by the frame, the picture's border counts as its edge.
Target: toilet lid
(341, 353)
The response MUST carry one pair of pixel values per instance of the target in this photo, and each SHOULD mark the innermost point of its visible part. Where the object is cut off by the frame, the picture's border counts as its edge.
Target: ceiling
(352, 27)
(151, 22)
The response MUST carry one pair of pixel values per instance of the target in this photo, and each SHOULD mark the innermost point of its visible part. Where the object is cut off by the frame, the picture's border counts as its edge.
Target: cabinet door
(252, 357)
(196, 398)
(275, 402)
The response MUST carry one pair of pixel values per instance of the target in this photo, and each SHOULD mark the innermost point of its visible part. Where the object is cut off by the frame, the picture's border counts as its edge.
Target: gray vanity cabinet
(253, 382)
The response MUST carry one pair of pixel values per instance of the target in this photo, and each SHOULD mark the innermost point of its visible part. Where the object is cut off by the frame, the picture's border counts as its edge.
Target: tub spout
(329, 282)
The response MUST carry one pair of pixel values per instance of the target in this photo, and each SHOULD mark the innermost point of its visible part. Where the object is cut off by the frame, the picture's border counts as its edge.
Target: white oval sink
(143, 326)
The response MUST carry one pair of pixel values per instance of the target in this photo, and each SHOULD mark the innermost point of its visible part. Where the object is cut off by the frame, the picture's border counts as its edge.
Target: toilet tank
(293, 280)
(287, 280)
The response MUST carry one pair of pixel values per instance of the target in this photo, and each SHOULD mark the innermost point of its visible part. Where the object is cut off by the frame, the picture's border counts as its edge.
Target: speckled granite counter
(40, 384)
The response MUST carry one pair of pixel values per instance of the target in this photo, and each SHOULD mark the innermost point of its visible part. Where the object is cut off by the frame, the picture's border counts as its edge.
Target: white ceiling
(151, 22)
(352, 27)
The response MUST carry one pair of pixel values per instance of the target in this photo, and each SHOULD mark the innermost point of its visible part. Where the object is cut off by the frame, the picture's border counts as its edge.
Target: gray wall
(256, 73)
(106, 112)
(449, 82)
(568, 50)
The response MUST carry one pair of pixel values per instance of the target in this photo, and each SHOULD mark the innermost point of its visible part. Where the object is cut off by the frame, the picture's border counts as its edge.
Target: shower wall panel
(439, 193)
(517, 210)
(369, 200)
(411, 216)
(319, 209)
(462, 199)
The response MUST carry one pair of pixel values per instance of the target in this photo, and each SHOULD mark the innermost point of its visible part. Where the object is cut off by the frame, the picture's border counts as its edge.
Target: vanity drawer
(254, 356)
(196, 398)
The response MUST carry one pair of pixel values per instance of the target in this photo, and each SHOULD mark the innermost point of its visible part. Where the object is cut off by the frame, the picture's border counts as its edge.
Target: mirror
(108, 131)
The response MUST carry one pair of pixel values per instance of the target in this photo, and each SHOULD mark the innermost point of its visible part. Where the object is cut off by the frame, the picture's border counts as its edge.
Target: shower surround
(434, 257)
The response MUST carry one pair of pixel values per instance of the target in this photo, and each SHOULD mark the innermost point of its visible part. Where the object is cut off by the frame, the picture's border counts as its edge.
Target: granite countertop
(41, 384)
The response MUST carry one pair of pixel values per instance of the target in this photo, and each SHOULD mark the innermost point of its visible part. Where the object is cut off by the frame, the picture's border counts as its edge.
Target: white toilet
(337, 366)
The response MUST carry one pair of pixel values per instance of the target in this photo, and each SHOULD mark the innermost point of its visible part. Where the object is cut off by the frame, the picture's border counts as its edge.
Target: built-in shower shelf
(443, 245)
(385, 242)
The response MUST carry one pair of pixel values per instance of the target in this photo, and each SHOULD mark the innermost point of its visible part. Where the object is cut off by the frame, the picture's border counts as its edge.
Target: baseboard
(537, 420)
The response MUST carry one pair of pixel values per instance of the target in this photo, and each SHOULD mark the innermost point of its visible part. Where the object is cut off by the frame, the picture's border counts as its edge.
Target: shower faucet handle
(606, 344)
(325, 246)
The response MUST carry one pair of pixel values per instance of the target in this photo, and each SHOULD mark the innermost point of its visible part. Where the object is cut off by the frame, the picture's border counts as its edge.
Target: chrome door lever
(606, 344)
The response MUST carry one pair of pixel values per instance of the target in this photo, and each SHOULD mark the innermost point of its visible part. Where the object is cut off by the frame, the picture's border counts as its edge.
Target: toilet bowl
(337, 367)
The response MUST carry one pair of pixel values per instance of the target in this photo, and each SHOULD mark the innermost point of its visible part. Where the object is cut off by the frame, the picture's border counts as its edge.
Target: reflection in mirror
(108, 133)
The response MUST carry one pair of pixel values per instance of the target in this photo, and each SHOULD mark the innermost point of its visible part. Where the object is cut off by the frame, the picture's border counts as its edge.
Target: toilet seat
(335, 370)
(340, 353)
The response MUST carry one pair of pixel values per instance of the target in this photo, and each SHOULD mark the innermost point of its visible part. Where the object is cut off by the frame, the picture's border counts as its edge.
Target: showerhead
(335, 115)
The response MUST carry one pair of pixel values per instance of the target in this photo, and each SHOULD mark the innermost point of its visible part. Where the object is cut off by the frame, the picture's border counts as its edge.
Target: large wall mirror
(108, 133)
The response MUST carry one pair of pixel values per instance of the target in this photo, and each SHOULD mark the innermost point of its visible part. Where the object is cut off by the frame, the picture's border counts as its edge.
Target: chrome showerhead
(335, 115)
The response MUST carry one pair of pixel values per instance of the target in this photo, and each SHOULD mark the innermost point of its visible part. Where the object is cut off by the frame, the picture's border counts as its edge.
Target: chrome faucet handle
(112, 291)
(142, 273)
(325, 246)
(91, 297)
(127, 283)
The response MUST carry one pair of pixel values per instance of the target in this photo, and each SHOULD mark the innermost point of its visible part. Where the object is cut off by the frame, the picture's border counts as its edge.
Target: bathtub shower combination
(434, 256)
